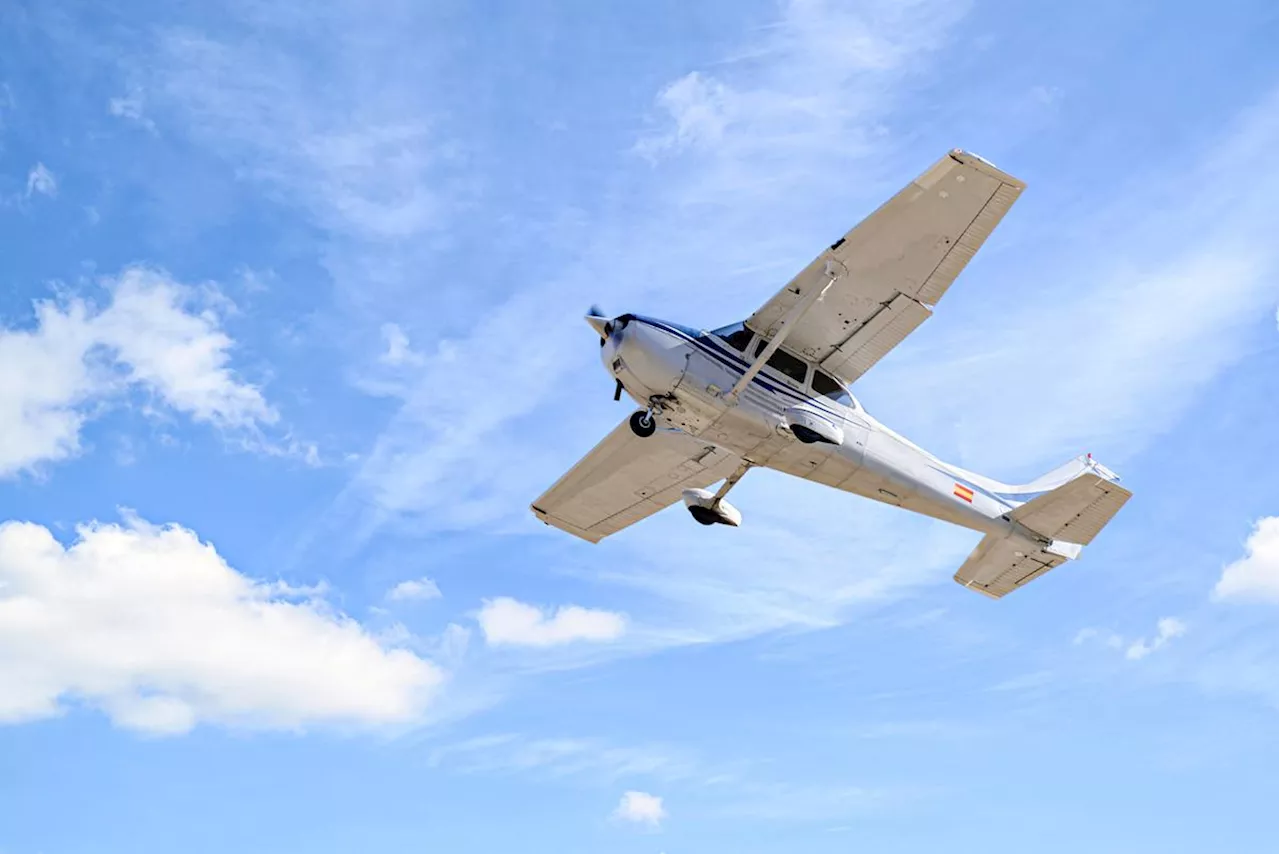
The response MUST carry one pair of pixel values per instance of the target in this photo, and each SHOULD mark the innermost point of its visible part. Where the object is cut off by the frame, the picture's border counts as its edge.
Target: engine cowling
(810, 427)
(704, 508)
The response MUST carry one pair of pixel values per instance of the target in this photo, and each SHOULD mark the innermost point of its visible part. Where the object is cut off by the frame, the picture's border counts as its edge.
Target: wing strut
(730, 482)
(834, 271)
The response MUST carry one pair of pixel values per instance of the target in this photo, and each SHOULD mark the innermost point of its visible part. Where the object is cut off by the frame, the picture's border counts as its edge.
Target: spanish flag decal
(964, 493)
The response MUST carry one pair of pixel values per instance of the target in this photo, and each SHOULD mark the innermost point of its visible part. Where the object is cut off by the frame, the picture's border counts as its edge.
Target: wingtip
(981, 163)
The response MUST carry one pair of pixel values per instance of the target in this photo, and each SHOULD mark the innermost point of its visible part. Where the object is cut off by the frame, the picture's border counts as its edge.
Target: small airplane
(772, 392)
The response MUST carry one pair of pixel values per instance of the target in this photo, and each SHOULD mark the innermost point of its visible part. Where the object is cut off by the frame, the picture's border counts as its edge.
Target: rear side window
(785, 363)
(829, 387)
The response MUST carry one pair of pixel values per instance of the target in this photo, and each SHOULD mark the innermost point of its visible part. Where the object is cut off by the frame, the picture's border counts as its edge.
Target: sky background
(290, 335)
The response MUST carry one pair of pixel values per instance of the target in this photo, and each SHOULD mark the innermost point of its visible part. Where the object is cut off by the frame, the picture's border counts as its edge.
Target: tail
(1053, 518)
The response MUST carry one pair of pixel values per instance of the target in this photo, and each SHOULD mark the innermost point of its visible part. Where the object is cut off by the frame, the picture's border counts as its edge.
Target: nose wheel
(643, 423)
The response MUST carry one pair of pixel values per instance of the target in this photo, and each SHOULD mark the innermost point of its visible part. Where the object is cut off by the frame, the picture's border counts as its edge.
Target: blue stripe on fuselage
(736, 363)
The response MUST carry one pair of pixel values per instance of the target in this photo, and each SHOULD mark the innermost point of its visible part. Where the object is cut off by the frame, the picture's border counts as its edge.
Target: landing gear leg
(643, 424)
(710, 508)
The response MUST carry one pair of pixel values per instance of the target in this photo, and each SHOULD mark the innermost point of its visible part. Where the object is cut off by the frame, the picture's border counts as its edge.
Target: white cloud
(130, 107)
(41, 180)
(150, 336)
(1167, 628)
(1110, 639)
(181, 355)
(398, 351)
(508, 622)
(151, 625)
(419, 589)
(126, 107)
(641, 808)
(699, 109)
(1257, 574)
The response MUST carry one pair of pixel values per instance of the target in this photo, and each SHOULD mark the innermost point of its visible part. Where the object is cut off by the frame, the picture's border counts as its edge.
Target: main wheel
(642, 424)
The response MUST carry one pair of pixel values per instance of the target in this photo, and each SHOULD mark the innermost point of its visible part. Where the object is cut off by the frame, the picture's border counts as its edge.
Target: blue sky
(290, 335)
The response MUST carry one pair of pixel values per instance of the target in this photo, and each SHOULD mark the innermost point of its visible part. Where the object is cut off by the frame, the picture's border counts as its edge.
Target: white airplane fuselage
(684, 378)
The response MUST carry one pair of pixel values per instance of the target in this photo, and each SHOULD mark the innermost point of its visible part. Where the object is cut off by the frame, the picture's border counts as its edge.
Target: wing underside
(626, 478)
(893, 266)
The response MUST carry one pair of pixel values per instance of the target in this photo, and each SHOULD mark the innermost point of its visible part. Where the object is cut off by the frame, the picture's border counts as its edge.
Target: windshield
(736, 335)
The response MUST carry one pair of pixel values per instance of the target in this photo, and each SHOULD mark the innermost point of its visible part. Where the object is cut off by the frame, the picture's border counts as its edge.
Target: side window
(785, 363)
(828, 387)
(737, 336)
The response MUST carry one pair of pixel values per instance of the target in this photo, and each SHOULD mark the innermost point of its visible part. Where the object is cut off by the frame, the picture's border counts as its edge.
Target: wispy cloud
(558, 758)
(350, 155)
(418, 589)
(131, 107)
(726, 789)
(41, 181)
(1167, 628)
(508, 622)
(699, 111)
(1135, 326)
(398, 352)
(811, 802)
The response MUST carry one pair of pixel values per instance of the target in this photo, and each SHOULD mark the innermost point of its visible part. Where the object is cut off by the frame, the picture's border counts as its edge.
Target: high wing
(893, 266)
(626, 478)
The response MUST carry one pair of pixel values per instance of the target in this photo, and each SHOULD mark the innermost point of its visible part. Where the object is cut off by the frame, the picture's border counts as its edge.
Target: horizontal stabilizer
(1075, 511)
(1049, 530)
(1001, 564)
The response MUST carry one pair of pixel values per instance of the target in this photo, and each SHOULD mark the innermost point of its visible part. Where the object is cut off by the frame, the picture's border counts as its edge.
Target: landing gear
(643, 423)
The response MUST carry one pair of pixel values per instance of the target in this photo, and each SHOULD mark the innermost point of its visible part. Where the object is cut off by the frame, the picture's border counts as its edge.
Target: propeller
(599, 321)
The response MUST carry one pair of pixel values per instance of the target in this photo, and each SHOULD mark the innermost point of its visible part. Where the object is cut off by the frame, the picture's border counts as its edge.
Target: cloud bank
(152, 626)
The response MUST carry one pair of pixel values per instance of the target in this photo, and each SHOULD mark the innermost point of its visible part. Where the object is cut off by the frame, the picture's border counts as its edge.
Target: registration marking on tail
(963, 492)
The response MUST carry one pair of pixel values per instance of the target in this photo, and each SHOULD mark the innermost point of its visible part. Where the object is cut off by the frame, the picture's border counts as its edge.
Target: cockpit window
(785, 363)
(736, 335)
(829, 387)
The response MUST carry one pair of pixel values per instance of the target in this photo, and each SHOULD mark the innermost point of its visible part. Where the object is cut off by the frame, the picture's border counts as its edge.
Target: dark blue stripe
(728, 359)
